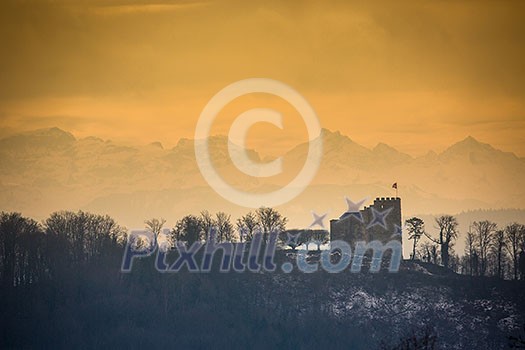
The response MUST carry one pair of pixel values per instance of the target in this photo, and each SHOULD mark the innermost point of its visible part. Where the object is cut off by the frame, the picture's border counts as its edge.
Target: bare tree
(189, 229)
(424, 251)
(85, 234)
(434, 254)
(484, 233)
(225, 232)
(447, 225)
(454, 261)
(18, 261)
(155, 226)
(521, 264)
(514, 237)
(270, 220)
(320, 237)
(470, 252)
(207, 221)
(499, 252)
(416, 229)
(429, 252)
(247, 225)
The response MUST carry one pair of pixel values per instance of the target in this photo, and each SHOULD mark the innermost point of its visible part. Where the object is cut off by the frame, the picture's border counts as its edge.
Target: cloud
(141, 7)
(69, 48)
(434, 68)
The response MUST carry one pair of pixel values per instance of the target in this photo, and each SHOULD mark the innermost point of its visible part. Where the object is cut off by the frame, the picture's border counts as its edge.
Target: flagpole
(395, 186)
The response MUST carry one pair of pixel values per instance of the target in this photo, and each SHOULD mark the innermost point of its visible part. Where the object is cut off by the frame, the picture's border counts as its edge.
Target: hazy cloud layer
(431, 72)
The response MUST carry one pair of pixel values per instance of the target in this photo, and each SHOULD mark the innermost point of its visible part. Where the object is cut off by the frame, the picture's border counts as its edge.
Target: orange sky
(417, 75)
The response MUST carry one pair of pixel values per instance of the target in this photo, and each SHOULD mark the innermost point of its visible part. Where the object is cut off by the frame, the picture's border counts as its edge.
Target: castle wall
(351, 229)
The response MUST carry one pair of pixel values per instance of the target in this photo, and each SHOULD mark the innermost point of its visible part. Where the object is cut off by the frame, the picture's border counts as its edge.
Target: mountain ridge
(468, 143)
(57, 132)
(59, 171)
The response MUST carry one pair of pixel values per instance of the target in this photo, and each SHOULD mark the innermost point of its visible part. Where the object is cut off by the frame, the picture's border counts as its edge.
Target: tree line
(62, 286)
(192, 228)
(264, 220)
(489, 250)
(31, 251)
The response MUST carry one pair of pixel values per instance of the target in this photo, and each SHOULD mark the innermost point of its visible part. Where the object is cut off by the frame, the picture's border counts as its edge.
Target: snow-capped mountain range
(49, 169)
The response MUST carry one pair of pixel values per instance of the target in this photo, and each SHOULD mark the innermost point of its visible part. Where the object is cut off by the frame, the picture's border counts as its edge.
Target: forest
(62, 288)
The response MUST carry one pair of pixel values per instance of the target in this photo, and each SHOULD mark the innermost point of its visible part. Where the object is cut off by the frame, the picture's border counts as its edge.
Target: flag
(394, 185)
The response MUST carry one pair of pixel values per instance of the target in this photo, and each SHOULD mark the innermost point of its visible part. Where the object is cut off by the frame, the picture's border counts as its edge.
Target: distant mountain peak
(47, 138)
(467, 145)
(388, 152)
(50, 132)
(330, 132)
(475, 152)
(381, 147)
(335, 136)
(470, 140)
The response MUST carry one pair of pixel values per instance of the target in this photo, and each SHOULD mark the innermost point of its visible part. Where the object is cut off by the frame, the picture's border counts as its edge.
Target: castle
(379, 221)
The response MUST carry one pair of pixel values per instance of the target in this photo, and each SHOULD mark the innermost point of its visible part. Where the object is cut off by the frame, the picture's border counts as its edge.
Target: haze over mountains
(49, 169)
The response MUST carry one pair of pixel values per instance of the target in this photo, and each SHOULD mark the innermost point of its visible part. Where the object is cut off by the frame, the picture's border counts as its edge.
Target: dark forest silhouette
(62, 288)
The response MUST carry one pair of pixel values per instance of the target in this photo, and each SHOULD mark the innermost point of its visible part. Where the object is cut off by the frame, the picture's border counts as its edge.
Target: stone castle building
(379, 221)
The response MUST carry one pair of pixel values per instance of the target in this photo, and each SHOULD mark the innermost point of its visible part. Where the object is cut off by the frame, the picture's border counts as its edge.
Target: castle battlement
(387, 199)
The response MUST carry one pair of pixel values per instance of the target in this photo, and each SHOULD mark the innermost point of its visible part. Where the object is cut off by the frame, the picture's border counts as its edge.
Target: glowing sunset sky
(417, 75)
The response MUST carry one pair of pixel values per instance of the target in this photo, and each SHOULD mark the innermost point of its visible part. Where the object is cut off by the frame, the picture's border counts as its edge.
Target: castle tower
(379, 221)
